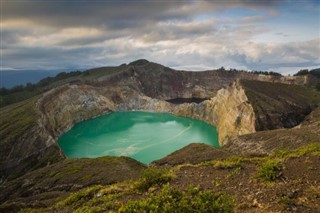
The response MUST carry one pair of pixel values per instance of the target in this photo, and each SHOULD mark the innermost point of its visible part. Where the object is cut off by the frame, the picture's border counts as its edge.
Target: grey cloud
(161, 31)
(293, 54)
(174, 31)
(53, 58)
(84, 41)
(252, 18)
(116, 14)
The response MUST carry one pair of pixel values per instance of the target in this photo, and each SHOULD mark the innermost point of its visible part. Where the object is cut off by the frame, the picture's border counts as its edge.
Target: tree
(302, 72)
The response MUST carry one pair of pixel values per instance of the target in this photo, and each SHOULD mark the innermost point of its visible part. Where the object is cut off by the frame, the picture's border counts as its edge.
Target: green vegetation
(229, 163)
(314, 72)
(153, 192)
(267, 73)
(302, 72)
(153, 177)
(285, 154)
(80, 196)
(171, 200)
(270, 166)
(168, 199)
(269, 170)
(254, 72)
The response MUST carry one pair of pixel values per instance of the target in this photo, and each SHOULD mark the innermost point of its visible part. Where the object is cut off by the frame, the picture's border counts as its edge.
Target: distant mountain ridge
(11, 78)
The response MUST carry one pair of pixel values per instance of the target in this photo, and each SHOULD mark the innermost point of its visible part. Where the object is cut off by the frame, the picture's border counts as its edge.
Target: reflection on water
(143, 136)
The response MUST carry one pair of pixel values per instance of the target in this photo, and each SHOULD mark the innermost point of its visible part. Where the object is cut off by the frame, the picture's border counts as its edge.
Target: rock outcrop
(233, 111)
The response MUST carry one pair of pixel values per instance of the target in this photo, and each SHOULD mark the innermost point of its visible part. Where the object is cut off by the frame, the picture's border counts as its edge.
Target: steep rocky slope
(279, 105)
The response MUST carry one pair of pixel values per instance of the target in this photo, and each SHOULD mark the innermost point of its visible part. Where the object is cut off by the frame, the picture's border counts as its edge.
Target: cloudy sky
(278, 35)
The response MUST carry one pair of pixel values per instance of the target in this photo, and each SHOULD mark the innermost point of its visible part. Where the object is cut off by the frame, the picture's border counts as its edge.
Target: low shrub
(269, 170)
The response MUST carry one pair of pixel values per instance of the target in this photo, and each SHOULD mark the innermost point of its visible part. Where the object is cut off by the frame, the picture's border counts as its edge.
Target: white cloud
(183, 35)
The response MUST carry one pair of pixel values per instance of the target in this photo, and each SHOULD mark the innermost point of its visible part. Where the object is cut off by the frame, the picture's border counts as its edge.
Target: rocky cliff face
(234, 113)
(229, 110)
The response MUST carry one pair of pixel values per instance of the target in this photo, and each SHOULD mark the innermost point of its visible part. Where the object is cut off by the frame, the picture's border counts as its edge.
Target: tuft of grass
(307, 149)
(100, 203)
(313, 191)
(269, 170)
(153, 177)
(73, 169)
(286, 202)
(82, 195)
(229, 163)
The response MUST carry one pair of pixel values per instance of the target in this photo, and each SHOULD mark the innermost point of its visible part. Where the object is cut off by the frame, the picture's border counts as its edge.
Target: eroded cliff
(229, 110)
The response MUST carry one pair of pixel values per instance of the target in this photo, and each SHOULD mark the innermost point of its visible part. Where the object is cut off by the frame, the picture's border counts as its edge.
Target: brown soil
(296, 190)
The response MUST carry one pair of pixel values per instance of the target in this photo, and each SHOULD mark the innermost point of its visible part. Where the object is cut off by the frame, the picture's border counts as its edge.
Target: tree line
(314, 72)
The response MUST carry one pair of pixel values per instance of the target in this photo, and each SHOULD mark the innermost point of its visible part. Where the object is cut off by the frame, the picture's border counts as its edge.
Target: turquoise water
(143, 136)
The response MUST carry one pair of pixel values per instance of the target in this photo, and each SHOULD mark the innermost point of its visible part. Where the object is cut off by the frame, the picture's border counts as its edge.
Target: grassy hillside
(20, 93)
(44, 186)
(16, 119)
